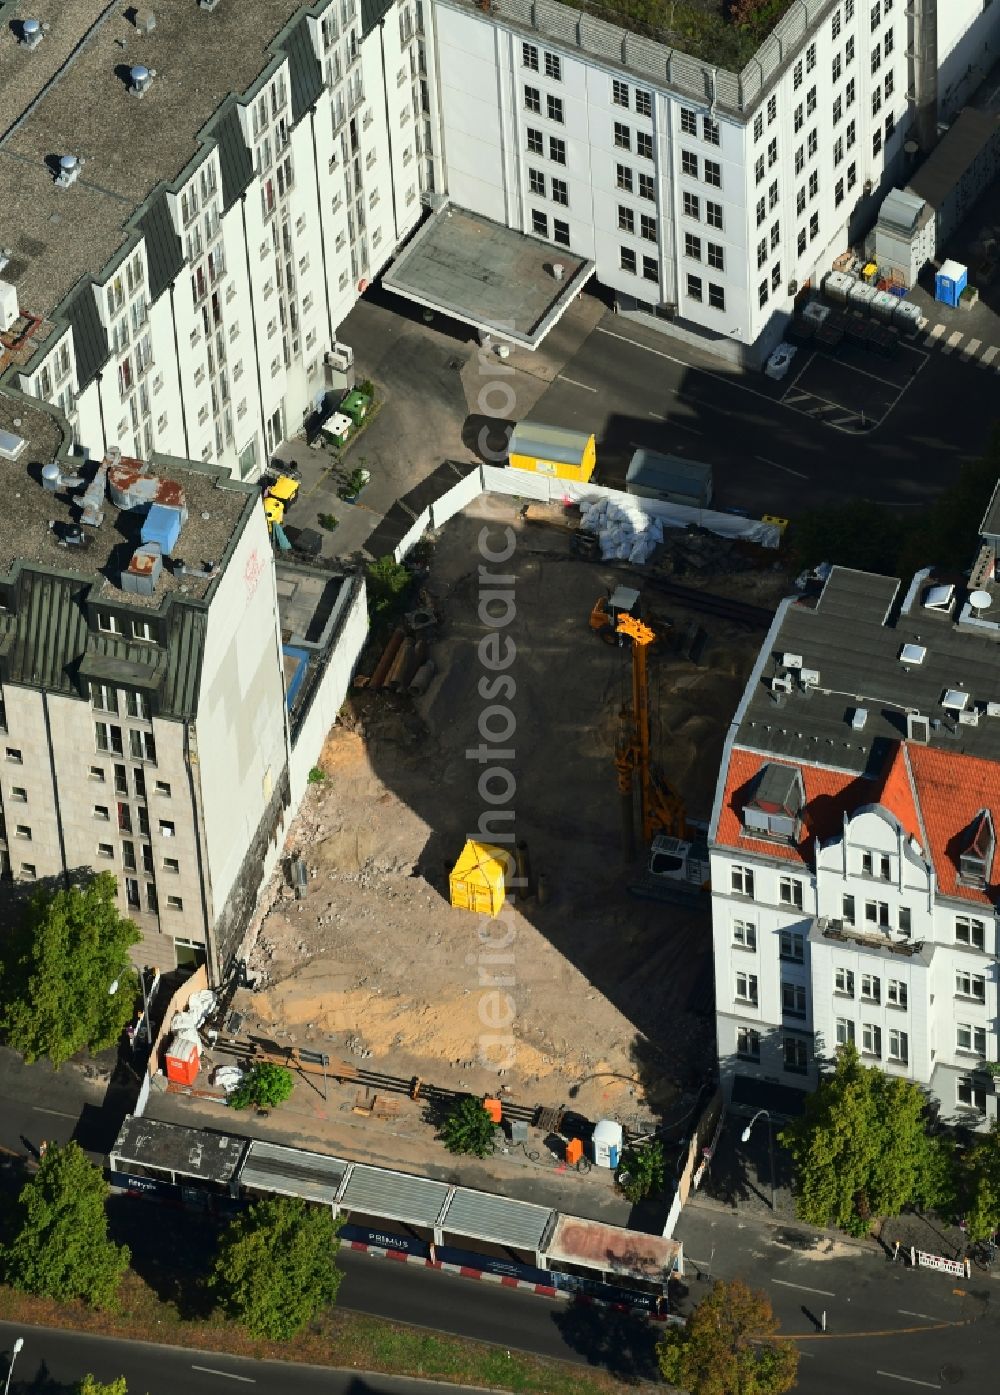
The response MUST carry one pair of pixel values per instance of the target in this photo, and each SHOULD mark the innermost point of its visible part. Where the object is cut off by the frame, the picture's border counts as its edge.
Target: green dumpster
(355, 405)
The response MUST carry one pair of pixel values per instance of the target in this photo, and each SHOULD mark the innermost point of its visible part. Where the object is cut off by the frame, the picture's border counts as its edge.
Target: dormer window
(975, 861)
(775, 808)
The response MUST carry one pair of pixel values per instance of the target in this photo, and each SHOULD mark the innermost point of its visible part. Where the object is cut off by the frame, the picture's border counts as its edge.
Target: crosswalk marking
(954, 340)
(970, 349)
(989, 355)
(935, 333)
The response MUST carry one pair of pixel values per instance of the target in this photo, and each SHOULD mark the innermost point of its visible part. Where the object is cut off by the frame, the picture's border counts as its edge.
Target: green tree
(642, 1171)
(90, 1385)
(468, 1128)
(980, 1185)
(861, 1148)
(264, 1086)
(60, 1246)
(727, 1347)
(57, 968)
(387, 582)
(276, 1266)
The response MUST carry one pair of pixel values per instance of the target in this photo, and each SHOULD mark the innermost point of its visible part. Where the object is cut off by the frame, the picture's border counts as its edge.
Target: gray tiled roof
(163, 246)
(234, 157)
(89, 341)
(303, 69)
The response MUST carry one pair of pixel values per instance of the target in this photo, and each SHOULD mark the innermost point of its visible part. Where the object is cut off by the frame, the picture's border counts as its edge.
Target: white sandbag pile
(624, 531)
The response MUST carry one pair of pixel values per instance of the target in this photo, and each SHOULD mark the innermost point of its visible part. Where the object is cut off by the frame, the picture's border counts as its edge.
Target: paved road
(636, 387)
(52, 1361)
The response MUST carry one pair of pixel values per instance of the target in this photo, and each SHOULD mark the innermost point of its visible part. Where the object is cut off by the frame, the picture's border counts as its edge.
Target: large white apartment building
(853, 850)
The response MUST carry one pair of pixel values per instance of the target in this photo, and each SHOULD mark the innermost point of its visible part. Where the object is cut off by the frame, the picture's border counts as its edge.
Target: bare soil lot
(611, 996)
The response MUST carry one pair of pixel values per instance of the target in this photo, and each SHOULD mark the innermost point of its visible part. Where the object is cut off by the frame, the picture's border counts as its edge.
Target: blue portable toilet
(949, 283)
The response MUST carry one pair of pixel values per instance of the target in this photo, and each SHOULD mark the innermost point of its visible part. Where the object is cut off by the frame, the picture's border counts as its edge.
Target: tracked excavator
(677, 868)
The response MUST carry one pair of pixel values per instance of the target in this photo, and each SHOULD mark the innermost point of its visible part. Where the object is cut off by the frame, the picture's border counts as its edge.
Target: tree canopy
(468, 1128)
(90, 1385)
(642, 1171)
(979, 1183)
(264, 1086)
(60, 1246)
(276, 1266)
(861, 1148)
(725, 1349)
(57, 967)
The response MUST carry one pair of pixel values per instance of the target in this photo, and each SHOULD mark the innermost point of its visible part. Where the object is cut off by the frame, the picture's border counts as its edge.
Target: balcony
(826, 930)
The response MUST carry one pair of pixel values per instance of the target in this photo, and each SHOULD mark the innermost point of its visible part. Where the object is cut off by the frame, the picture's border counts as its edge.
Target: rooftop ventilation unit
(140, 79)
(69, 170)
(11, 446)
(993, 709)
(781, 683)
(918, 727)
(208, 4)
(912, 654)
(955, 700)
(9, 308)
(809, 677)
(53, 478)
(341, 357)
(5, 256)
(144, 21)
(970, 718)
(859, 717)
(32, 33)
(939, 598)
(791, 661)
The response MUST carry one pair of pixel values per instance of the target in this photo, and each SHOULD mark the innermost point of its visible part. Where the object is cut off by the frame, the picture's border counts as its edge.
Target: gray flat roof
(486, 275)
(307, 601)
(957, 149)
(853, 638)
(483, 1216)
(82, 107)
(211, 1157)
(395, 1196)
(216, 506)
(271, 1167)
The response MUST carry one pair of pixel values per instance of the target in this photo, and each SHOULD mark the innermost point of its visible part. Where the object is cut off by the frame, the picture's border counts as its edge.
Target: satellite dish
(980, 600)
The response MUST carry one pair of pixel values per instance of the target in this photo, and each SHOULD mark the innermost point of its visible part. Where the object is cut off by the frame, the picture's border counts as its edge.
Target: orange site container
(574, 1151)
(183, 1061)
(494, 1109)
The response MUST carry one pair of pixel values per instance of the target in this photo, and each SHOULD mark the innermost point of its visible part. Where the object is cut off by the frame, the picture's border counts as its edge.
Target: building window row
(620, 95)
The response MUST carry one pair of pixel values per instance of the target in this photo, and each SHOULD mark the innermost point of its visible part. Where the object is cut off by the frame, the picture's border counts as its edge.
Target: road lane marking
(787, 468)
(696, 431)
(929, 1384)
(573, 383)
(60, 1113)
(908, 1312)
(823, 1292)
(248, 1380)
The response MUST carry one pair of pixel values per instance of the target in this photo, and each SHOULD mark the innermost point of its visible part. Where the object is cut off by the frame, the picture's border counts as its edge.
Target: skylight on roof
(912, 654)
(955, 699)
(939, 598)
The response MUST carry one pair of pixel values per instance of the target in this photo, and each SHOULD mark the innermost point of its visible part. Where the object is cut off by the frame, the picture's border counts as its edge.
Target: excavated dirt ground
(611, 995)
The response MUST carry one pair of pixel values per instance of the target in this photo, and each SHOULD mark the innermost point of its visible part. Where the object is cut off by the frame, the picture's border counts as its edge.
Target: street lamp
(18, 1344)
(770, 1142)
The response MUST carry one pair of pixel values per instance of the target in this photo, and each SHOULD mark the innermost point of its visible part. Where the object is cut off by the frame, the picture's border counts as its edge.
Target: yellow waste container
(552, 450)
(477, 879)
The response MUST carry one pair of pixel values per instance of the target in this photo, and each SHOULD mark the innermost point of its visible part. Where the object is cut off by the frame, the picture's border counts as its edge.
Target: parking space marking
(910, 1380)
(988, 356)
(573, 383)
(970, 349)
(954, 339)
(786, 468)
(799, 373)
(785, 1283)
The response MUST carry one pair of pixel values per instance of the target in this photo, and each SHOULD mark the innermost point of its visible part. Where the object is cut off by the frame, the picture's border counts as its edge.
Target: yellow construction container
(868, 271)
(551, 450)
(477, 879)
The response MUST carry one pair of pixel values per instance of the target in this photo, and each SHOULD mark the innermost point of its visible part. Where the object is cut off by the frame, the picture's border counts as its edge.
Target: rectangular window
(142, 745)
(105, 850)
(845, 1031)
(28, 871)
(971, 1039)
(536, 142)
(904, 920)
(970, 985)
(810, 58)
(772, 110)
(647, 227)
(748, 1043)
(626, 218)
(746, 987)
(843, 982)
(694, 289)
(716, 296)
(838, 110)
(871, 987)
(553, 67)
(137, 705)
(876, 15)
(814, 184)
(713, 214)
(812, 144)
(625, 181)
(970, 1095)
(810, 101)
(103, 697)
(108, 736)
(536, 182)
(102, 812)
(970, 932)
(745, 934)
(175, 903)
(836, 67)
(800, 159)
(793, 1000)
(800, 200)
(644, 146)
(758, 125)
(713, 174)
(899, 1046)
(628, 262)
(896, 993)
(790, 888)
(741, 882)
(838, 150)
(772, 153)
(762, 294)
(557, 150)
(651, 269)
(835, 25)
(623, 136)
(108, 624)
(792, 946)
(533, 100)
(871, 1040)
(759, 170)
(710, 132)
(797, 75)
(162, 787)
(814, 227)
(529, 57)
(19, 794)
(619, 93)
(646, 188)
(799, 118)
(554, 106)
(171, 864)
(849, 93)
(643, 102)
(876, 59)
(692, 246)
(560, 192)
(715, 256)
(761, 211)
(761, 252)
(775, 276)
(801, 244)
(772, 196)
(691, 204)
(22, 831)
(539, 223)
(796, 1055)
(689, 121)
(775, 235)
(877, 914)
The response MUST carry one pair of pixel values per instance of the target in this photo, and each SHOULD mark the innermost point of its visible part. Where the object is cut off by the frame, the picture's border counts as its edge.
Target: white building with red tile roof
(855, 874)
